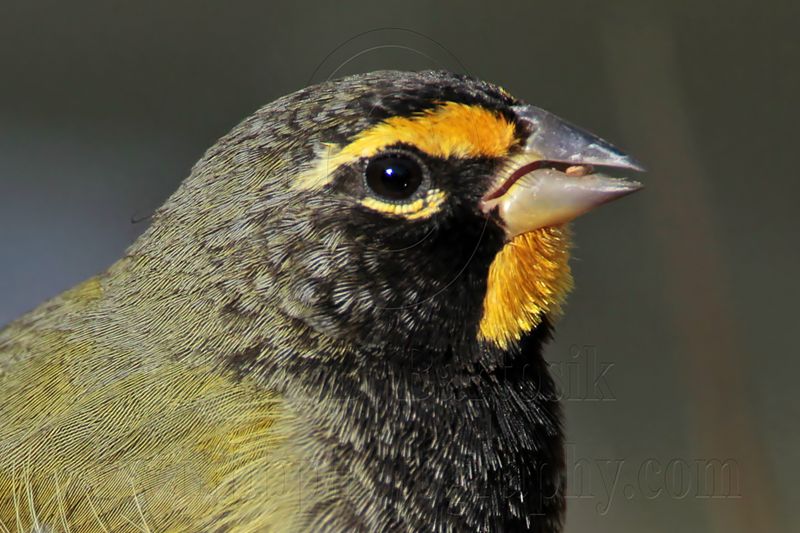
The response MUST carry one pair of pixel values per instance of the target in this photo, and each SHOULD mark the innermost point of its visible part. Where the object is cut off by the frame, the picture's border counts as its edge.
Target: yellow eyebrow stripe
(449, 130)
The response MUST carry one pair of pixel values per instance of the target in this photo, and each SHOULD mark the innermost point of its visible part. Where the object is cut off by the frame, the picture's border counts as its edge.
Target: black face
(379, 278)
(410, 282)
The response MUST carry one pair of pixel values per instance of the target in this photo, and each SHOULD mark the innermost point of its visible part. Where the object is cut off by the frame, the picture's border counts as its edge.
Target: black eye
(395, 176)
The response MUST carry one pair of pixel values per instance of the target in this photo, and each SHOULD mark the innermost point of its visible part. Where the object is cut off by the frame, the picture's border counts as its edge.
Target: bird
(335, 323)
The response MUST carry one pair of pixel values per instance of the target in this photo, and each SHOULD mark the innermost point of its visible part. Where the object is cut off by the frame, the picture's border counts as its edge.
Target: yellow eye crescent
(418, 209)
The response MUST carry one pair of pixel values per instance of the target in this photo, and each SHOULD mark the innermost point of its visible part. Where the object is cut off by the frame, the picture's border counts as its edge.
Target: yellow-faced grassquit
(334, 324)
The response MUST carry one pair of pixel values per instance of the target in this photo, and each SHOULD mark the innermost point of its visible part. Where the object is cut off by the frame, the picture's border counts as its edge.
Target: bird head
(397, 209)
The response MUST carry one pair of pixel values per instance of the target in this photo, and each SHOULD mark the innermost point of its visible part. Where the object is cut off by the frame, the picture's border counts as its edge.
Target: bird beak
(553, 179)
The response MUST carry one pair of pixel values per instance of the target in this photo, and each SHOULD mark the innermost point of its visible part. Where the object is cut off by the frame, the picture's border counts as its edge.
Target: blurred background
(678, 356)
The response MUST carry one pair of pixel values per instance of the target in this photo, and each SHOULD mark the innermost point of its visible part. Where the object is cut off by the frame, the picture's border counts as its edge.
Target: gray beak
(553, 179)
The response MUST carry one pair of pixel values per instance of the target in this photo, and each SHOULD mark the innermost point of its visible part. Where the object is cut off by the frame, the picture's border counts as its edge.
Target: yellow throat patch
(528, 278)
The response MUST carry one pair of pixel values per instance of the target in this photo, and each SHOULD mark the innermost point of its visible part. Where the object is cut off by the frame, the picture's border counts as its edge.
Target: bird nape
(336, 323)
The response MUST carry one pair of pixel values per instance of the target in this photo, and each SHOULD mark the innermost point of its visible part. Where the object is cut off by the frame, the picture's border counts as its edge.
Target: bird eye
(395, 176)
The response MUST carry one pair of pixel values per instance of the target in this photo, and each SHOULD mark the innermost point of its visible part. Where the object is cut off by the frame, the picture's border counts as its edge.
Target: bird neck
(446, 433)
(441, 426)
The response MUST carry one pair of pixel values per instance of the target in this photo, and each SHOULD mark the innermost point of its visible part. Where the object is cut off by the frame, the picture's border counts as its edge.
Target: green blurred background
(678, 354)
